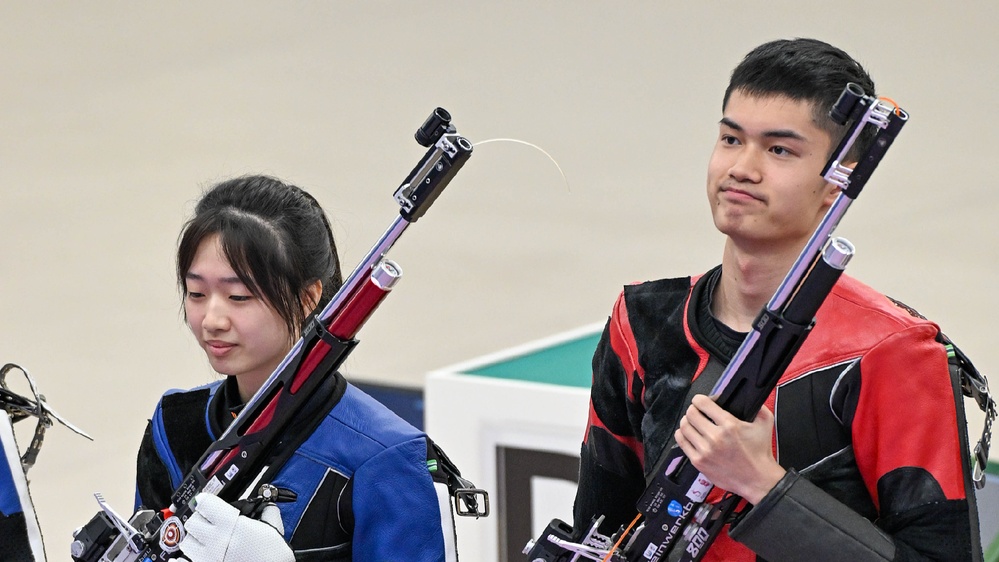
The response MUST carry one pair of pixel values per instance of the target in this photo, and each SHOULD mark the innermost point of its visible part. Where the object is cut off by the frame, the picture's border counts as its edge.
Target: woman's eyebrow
(228, 280)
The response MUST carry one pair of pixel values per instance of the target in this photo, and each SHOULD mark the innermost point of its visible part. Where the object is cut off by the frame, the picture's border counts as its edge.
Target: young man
(864, 460)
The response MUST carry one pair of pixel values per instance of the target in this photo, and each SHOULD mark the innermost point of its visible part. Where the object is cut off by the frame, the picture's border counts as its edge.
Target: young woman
(255, 260)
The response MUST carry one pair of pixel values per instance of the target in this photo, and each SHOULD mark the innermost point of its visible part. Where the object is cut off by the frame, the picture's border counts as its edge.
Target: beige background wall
(114, 116)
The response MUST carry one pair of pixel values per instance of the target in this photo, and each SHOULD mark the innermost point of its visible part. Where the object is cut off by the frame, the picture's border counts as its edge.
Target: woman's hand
(218, 533)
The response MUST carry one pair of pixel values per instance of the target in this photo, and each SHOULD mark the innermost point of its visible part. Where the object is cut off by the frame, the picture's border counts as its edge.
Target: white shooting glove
(218, 533)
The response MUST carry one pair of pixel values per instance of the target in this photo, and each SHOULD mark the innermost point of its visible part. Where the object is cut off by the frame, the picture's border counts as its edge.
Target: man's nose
(746, 165)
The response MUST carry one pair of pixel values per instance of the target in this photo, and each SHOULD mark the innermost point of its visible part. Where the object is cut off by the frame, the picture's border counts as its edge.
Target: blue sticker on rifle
(674, 508)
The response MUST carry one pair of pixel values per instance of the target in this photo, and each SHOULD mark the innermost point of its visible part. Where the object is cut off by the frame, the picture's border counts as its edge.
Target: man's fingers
(765, 415)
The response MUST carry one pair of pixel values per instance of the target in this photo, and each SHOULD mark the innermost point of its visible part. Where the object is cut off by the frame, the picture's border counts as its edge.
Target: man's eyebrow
(774, 134)
(730, 124)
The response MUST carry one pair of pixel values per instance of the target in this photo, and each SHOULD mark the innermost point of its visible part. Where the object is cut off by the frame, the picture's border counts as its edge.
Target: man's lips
(737, 193)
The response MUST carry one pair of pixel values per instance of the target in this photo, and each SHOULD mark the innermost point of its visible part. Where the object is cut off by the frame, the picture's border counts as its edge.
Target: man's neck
(748, 281)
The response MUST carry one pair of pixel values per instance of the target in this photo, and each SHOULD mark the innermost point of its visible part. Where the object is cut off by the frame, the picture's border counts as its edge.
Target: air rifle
(674, 521)
(232, 465)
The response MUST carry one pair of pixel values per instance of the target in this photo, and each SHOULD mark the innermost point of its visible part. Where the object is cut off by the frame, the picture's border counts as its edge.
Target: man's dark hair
(803, 70)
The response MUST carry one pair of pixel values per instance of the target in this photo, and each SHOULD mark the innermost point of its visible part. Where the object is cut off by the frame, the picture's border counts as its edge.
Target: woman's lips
(218, 348)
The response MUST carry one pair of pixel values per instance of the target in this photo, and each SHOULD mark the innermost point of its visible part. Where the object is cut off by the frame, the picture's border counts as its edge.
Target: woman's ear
(312, 295)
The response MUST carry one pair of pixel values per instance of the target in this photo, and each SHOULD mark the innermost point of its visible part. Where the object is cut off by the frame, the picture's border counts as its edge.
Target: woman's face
(242, 335)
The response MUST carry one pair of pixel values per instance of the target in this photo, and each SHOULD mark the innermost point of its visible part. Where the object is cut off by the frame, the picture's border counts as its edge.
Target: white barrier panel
(515, 435)
(988, 509)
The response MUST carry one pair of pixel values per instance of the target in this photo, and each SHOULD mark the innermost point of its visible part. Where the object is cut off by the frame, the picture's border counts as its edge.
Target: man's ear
(834, 190)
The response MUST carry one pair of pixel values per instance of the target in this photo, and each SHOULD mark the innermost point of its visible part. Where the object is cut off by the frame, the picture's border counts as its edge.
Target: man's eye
(780, 151)
(729, 139)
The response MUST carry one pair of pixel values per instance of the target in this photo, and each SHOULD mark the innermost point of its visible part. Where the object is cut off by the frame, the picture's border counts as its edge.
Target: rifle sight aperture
(436, 125)
(847, 102)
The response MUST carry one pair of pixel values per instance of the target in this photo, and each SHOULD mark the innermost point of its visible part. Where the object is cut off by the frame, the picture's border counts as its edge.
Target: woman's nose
(216, 315)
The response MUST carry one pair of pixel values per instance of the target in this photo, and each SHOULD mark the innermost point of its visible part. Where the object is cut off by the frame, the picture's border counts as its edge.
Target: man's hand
(735, 455)
(218, 533)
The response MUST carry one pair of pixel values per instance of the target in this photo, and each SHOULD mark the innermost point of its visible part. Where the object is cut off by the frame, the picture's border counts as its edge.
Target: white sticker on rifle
(213, 486)
(700, 488)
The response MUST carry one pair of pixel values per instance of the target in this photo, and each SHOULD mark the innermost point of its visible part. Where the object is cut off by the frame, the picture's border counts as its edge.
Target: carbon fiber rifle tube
(783, 335)
(810, 296)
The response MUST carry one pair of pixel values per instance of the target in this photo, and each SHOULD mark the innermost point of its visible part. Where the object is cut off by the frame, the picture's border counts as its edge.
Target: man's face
(764, 185)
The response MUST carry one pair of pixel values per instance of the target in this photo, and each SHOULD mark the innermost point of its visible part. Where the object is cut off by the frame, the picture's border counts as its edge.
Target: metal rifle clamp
(976, 386)
(20, 407)
(234, 464)
(674, 520)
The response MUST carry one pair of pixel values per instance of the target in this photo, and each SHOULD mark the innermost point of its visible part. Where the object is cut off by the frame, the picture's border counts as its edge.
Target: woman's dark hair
(275, 236)
(804, 70)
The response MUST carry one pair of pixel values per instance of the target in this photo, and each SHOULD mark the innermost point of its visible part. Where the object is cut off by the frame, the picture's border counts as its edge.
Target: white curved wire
(532, 145)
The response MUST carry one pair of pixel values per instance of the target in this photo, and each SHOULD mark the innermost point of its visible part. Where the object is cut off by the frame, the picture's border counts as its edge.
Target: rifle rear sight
(436, 125)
